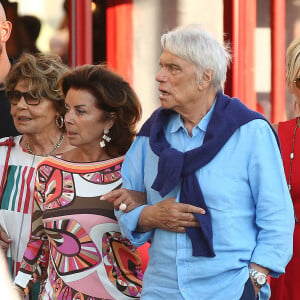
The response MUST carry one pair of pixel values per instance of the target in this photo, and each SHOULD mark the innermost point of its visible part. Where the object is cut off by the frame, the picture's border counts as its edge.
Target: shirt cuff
(128, 224)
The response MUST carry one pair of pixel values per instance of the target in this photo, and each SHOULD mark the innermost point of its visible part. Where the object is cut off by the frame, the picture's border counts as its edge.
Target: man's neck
(4, 66)
(193, 115)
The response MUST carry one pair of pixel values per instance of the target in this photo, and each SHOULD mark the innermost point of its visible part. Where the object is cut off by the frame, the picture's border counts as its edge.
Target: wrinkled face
(178, 83)
(85, 122)
(33, 119)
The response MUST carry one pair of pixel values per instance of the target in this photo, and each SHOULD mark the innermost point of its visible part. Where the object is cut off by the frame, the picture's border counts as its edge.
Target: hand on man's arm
(130, 198)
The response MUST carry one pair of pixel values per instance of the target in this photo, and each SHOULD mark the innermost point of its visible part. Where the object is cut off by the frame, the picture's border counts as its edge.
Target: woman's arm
(35, 260)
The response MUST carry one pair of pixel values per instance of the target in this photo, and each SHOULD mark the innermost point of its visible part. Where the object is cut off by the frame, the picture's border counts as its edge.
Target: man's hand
(131, 199)
(5, 241)
(169, 215)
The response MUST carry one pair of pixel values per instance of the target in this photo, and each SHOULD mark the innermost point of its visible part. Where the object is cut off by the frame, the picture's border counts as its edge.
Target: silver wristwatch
(259, 278)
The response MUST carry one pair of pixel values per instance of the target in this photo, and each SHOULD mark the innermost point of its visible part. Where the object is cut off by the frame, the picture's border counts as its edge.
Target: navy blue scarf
(228, 115)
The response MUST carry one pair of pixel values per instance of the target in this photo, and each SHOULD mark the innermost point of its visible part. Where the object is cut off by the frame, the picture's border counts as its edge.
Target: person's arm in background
(8, 290)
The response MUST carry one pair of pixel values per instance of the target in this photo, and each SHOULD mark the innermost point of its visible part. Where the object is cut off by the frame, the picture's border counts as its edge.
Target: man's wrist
(258, 278)
(144, 222)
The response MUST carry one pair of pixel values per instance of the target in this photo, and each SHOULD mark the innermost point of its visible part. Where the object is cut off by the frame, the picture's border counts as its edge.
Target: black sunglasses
(297, 81)
(15, 96)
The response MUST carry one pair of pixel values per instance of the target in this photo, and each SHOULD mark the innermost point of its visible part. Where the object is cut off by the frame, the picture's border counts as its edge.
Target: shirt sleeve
(274, 208)
(36, 257)
(133, 179)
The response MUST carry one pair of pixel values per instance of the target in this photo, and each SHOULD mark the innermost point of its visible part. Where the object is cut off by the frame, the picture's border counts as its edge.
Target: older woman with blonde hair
(286, 286)
(37, 108)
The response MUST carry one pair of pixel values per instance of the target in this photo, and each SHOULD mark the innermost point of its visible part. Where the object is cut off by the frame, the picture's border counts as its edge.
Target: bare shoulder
(275, 126)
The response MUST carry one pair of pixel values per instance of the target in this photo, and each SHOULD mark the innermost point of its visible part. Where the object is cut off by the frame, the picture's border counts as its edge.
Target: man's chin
(165, 104)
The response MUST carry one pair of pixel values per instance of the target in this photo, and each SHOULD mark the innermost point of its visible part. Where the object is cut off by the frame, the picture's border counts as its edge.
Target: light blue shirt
(246, 193)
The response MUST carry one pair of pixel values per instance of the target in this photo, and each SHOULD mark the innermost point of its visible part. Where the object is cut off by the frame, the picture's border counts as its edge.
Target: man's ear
(206, 80)
(6, 27)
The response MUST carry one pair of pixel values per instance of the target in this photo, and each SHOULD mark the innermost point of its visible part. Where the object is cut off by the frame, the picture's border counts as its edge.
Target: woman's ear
(289, 88)
(111, 120)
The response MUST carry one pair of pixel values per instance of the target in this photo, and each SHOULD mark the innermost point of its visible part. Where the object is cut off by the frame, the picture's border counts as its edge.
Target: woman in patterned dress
(76, 247)
(37, 108)
(286, 287)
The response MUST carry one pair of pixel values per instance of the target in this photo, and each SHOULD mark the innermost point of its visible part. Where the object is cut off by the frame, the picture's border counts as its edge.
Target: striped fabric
(17, 200)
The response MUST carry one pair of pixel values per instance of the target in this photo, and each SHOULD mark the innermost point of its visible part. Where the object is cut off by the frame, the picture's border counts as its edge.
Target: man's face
(178, 82)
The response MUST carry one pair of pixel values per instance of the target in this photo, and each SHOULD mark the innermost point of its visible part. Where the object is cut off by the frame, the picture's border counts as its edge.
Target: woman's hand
(124, 199)
(8, 289)
(5, 241)
(20, 292)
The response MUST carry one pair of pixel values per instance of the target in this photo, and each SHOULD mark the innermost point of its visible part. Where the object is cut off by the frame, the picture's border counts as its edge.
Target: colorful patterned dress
(76, 242)
(286, 287)
(17, 200)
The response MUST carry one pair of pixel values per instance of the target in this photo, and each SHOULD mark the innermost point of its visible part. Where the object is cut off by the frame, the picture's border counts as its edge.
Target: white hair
(199, 47)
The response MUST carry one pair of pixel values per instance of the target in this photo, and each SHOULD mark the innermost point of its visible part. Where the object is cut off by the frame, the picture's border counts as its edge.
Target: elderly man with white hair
(218, 215)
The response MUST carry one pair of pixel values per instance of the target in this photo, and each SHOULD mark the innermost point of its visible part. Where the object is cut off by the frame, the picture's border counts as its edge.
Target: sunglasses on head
(15, 96)
(297, 82)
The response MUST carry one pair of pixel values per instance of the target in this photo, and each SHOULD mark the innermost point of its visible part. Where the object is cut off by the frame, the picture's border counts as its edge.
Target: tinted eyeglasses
(297, 82)
(15, 96)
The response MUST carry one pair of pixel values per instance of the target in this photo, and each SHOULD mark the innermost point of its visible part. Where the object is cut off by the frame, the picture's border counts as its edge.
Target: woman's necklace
(28, 149)
(292, 156)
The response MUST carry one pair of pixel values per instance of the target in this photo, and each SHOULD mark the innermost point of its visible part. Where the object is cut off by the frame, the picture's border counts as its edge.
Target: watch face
(261, 279)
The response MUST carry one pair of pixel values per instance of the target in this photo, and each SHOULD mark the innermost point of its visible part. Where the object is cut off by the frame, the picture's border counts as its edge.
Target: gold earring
(59, 121)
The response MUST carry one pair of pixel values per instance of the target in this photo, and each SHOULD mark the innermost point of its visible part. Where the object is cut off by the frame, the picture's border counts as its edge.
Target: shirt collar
(177, 121)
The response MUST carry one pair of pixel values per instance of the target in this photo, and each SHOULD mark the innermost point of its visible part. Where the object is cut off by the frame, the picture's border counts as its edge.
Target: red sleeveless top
(286, 286)
(286, 134)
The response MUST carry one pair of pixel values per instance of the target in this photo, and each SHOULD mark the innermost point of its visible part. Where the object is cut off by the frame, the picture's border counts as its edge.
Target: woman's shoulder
(16, 139)
(66, 162)
(275, 126)
(51, 161)
(16, 149)
(287, 125)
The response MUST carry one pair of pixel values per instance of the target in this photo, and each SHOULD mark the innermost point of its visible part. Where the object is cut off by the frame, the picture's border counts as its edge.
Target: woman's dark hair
(113, 95)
